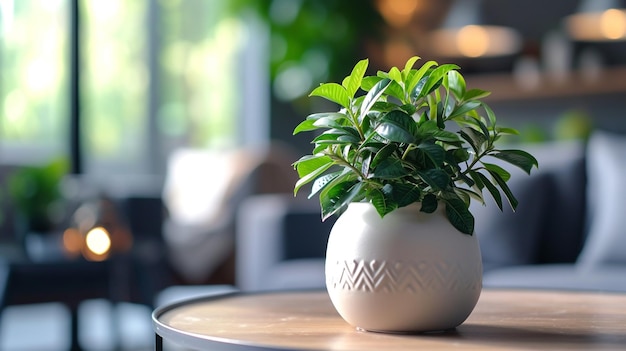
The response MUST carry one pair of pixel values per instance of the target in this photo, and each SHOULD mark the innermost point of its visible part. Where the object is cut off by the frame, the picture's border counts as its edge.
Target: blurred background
(132, 131)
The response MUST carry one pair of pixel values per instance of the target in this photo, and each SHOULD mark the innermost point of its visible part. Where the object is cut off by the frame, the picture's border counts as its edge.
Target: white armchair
(281, 243)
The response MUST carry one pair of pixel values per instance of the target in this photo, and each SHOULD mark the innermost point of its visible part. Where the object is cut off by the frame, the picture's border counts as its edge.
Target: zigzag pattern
(399, 276)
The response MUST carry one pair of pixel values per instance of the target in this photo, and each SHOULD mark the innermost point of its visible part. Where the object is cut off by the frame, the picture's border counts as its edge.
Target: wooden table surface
(502, 320)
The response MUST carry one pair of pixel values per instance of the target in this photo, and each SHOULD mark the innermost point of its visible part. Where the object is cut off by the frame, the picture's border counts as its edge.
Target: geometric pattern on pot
(403, 276)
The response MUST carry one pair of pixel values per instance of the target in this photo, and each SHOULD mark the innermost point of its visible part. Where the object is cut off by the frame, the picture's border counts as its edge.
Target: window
(198, 63)
(115, 80)
(33, 79)
(154, 76)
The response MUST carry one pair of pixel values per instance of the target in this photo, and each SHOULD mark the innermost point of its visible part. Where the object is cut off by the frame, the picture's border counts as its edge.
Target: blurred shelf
(509, 88)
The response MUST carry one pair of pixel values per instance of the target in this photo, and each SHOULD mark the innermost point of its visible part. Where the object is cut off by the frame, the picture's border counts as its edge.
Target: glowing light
(475, 41)
(72, 241)
(613, 24)
(398, 12)
(597, 26)
(98, 241)
(472, 41)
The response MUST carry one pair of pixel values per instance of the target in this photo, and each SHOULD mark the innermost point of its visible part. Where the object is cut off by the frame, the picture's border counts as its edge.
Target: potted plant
(34, 191)
(400, 165)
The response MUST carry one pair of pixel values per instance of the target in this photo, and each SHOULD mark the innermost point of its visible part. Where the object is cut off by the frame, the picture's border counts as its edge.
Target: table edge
(200, 342)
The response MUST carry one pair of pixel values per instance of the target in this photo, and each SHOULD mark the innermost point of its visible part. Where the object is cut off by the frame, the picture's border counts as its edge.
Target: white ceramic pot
(407, 272)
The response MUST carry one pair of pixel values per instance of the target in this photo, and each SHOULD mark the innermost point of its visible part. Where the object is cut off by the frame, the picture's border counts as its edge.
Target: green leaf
(467, 193)
(456, 82)
(417, 77)
(319, 120)
(309, 163)
(490, 114)
(438, 179)
(383, 154)
(369, 82)
(505, 188)
(408, 108)
(459, 215)
(477, 180)
(505, 130)
(396, 75)
(449, 105)
(350, 131)
(336, 116)
(476, 139)
(398, 126)
(394, 89)
(319, 148)
(322, 182)
(309, 167)
(505, 175)
(519, 158)
(464, 196)
(464, 108)
(336, 197)
(435, 78)
(495, 193)
(383, 106)
(484, 130)
(429, 129)
(446, 136)
(328, 123)
(348, 138)
(416, 92)
(305, 126)
(459, 155)
(331, 136)
(353, 81)
(389, 168)
(333, 92)
(432, 111)
(340, 135)
(372, 96)
(408, 66)
(405, 193)
(381, 202)
(475, 94)
(429, 203)
(434, 152)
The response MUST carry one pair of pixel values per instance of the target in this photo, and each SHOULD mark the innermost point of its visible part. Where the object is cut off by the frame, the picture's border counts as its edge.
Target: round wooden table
(502, 320)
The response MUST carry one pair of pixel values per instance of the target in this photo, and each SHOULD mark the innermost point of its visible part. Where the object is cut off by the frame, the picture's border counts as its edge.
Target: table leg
(158, 342)
(74, 343)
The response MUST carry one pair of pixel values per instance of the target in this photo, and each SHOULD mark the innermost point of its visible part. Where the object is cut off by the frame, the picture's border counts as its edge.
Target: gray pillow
(550, 210)
(606, 191)
(510, 238)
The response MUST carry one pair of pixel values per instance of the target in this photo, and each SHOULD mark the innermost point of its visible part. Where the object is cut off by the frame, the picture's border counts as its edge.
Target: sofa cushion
(547, 226)
(606, 190)
(608, 278)
(510, 238)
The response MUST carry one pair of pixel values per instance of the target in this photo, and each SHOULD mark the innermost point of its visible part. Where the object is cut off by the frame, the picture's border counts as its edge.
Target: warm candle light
(472, 41)
(613, 24)
(475, 41)
(98, 241)
(398, 13)
(72, 241)
(609, 25)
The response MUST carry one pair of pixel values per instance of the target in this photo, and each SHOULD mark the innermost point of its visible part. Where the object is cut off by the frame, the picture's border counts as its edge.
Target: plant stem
(343, 162)
(409, 148)
(476, 159)
(355, 122)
